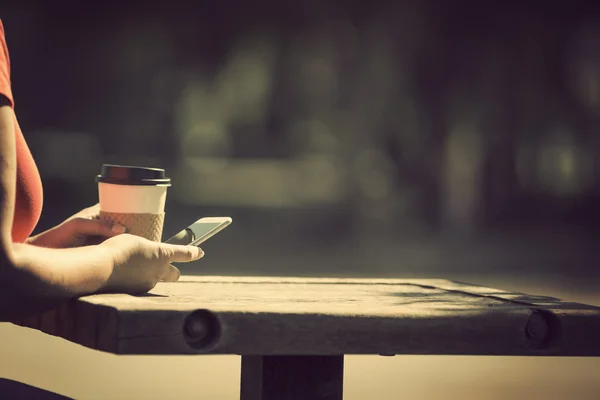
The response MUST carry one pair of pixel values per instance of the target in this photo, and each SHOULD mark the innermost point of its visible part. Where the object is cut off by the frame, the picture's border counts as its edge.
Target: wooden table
(293, 334)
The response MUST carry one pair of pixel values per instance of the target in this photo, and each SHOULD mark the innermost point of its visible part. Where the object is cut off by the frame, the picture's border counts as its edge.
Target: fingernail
(200, 252)
(118, 228)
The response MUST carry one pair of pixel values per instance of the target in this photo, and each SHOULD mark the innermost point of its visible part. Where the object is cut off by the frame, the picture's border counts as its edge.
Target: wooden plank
(275, 316)
(292, 377)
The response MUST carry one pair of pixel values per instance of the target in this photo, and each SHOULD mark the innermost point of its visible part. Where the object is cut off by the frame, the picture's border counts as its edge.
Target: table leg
(292, 377)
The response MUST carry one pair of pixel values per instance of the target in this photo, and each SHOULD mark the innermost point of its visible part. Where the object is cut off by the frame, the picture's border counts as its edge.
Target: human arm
(33, 278)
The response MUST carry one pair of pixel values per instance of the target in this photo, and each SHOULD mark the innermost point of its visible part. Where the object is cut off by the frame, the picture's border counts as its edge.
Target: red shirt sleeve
(29, 195)
(4, 67)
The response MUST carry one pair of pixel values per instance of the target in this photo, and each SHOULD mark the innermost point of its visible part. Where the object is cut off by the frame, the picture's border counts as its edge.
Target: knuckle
(186, 254)
(127, 240)
(133, 240)
(165, 253)
(75, 222)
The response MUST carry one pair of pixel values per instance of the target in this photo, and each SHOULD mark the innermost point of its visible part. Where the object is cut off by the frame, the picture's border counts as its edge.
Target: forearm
(35, 278)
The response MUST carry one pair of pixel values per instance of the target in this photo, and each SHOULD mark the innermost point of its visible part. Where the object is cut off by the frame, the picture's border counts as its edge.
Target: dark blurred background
(382, 137)
(447, 139)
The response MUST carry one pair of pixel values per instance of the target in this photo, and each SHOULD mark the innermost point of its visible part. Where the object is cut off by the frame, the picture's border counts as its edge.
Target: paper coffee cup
(135, 198)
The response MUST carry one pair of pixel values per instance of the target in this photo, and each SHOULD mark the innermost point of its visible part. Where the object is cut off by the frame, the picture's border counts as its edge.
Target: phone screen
(197, 232)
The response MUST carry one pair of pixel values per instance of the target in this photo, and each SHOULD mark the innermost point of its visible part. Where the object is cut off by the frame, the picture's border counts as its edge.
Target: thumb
(95, 227)
(170, 274)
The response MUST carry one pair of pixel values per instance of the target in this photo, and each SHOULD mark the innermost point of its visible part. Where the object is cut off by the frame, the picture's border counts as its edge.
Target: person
(38, 272)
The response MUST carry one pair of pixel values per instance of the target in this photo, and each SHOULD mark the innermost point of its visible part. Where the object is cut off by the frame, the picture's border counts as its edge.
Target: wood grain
(282, 316)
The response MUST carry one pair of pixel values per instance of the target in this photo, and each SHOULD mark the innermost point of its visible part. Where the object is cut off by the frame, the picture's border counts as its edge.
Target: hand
(138, 263)
(77, 230)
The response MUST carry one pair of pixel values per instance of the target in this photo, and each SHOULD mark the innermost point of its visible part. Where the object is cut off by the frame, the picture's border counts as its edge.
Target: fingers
(88, 213)
(175, 253)
(170, 274)
(96, 227)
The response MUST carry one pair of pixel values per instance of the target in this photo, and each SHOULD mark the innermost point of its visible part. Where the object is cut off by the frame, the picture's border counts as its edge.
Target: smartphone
(200, 231)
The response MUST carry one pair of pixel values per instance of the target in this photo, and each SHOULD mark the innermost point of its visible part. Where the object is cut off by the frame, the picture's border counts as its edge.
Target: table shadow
(10, 389)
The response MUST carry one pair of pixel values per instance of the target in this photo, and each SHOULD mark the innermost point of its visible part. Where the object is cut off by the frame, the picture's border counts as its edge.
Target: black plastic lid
(128, 175)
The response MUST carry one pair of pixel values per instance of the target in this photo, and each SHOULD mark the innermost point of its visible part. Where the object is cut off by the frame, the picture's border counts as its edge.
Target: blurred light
(312, 136)
(310, 181)
(374, 174)
(313, 74)
(201, 121)
(564, 169)
(194, 104)
(244, 84)
(206, 139)
(319, 179)
(558, 164)
(461, 174)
